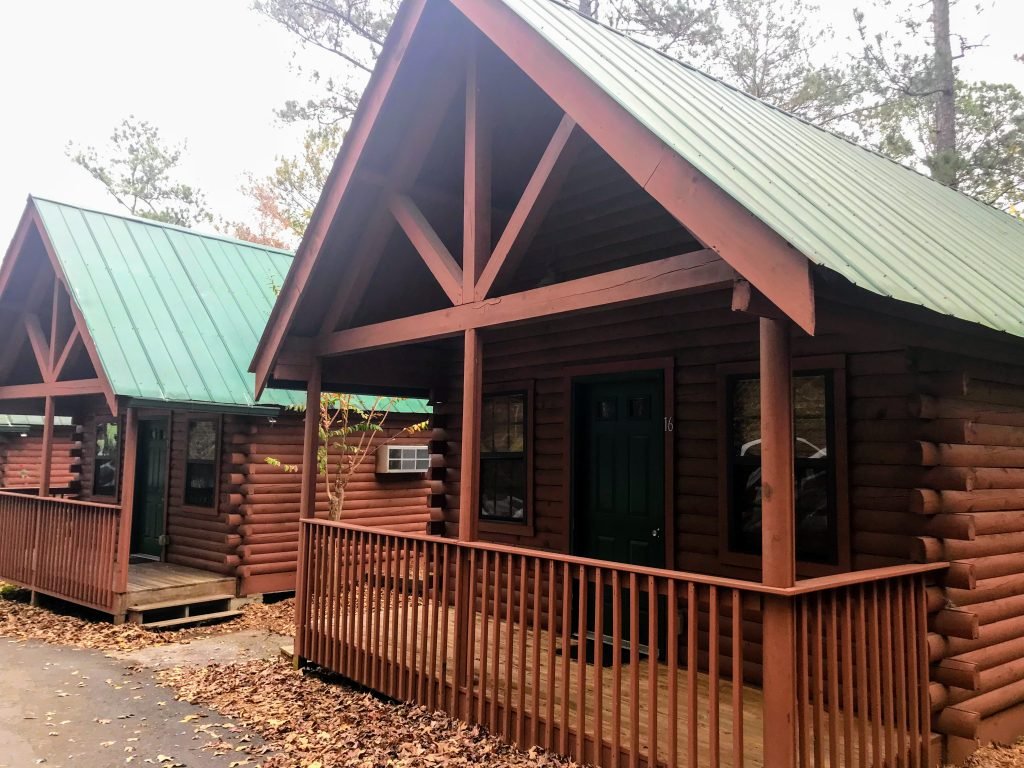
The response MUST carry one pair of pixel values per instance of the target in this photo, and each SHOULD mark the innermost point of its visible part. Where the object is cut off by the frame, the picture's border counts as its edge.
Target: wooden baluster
(848, 678)
(899, 653)
(549, 740)
(616, 668)
(361, 607)
(921, 642)
(833, 679)
(672, 636)
(438, 603)
(634, 671)
(652, 671)
(737, 679)
(403, 654)
(380, 607)
(566, 622)
(913, 683)
(714, 681)
(803, 653)
(581, 665)
(442, 681)
(888, 690)
(818, 680)
(423, 572)
(390, 624)
(875, 669)
(692, 753)
(862, 675)
(521, 710)
(506, 728)
(598, 666)
(471, 628)
(485, 591)
(496, 647)
(535, 671)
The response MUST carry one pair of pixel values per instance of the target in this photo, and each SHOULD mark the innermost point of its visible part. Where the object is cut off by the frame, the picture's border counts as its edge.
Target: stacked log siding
(21, 457)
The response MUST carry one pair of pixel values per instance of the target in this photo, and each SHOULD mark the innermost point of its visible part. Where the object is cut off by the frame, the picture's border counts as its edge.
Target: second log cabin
(141, 487)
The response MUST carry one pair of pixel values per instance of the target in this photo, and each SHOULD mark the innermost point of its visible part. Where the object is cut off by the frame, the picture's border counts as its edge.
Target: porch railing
(59, 547)
(613, 664)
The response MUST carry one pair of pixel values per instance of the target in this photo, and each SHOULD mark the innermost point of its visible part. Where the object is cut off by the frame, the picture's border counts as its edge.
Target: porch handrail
(62, 500)
(802, 586)
(60, 547)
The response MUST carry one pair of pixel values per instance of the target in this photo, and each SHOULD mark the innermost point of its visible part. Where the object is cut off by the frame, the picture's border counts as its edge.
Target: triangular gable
(57, 338)
(770, 194)
(755, 251)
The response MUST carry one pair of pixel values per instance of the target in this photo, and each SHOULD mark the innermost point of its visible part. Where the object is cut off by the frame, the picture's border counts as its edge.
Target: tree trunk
(944, 158)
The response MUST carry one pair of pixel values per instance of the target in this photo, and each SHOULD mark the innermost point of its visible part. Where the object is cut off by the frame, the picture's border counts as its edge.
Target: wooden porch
(69, 550)
(492, 634)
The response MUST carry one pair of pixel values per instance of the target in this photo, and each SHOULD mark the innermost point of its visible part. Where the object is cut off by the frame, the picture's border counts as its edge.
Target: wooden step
(182, 621)
(142, 607)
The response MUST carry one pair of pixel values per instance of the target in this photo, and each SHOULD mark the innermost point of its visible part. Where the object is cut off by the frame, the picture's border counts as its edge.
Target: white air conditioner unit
(395, 459)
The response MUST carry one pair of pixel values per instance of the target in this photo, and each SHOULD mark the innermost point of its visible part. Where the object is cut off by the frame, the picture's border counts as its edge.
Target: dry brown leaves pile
(998, 757)
(21, 621)
(308, 721)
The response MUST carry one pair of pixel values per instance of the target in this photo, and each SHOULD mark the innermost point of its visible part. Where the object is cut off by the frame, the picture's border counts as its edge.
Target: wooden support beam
(54, 323)
(541, 191)
(46, 460)
(778, 544)
(307, 495)
(746, 298)
(54, 388)
(127, 486)
(476, 227)
(40, 347)
(428, 245)
(677, 274)
(65, 354)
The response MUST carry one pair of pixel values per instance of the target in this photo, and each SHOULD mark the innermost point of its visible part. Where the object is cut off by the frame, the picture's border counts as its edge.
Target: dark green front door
(619, 478)
(619, 493)
(150, 488)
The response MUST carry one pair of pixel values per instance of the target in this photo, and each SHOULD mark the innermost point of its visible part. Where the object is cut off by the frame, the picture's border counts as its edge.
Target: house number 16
(669, 424)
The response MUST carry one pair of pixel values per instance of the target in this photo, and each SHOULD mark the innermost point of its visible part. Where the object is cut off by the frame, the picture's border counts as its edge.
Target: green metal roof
(174, 314)
(15, 423)
(882, 226)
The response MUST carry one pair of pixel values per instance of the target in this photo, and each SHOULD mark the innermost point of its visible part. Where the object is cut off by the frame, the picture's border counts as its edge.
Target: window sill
(509, 528)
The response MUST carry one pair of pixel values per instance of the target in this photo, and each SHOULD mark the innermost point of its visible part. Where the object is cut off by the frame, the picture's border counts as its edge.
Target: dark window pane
(816, 529)
(640, 407)
(104, 479)
(607, 410)
(202, 440)
(502, 458)
(200, 482)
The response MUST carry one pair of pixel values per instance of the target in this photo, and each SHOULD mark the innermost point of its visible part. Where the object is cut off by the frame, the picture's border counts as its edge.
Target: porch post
(307, 497)
(469, 495)
(46, 460)
(124, 532)
(778, 544)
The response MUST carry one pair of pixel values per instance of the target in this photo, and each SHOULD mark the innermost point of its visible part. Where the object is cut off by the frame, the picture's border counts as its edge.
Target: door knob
(656, 533)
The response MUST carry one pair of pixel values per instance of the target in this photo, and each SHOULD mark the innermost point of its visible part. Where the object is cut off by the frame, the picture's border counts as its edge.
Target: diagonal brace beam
(428, 245)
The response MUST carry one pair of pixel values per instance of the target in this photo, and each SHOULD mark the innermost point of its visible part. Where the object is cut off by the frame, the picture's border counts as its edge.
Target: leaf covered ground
(310, 721)
(21, 621)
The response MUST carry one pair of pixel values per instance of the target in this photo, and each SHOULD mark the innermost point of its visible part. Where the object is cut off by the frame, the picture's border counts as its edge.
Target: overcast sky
(212, 72)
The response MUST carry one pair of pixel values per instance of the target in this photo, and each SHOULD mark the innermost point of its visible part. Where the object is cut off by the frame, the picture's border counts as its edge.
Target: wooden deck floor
(157, 583)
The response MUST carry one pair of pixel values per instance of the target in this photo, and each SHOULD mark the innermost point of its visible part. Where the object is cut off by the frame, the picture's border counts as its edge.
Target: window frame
(833, 366)
(524, 527)
(218, 423)
(117, 459)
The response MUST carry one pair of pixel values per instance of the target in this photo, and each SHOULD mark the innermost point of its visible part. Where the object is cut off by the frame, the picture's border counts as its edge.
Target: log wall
(265, 498)
(21, 457)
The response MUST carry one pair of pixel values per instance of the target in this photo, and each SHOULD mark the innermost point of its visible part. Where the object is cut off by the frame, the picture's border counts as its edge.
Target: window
(503, 470)
(814, 419)
(108, 455)
(201, 463)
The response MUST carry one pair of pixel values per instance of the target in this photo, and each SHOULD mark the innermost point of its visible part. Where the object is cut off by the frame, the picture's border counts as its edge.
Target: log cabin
(128, 347)
(21, 453)
(728, 411)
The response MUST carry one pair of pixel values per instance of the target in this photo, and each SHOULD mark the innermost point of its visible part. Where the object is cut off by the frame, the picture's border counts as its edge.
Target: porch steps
(165, 614)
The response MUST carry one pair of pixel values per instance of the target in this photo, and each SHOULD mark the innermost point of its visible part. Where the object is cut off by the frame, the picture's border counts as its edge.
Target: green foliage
(136, 169)
(349, 427)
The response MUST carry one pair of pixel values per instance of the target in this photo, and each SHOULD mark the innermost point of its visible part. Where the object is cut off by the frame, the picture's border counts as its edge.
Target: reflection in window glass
(816, 527)
(201, 463)
(104, 477)
(503, 458)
